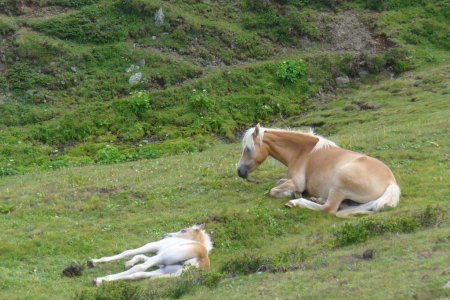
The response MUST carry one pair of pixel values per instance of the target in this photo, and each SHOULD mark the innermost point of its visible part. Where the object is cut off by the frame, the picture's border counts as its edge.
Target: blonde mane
(247, 140)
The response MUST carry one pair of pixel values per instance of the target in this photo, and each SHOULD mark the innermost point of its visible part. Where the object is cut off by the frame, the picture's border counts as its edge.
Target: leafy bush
(110, 155)
(7, 26)
(8, 171)
(139, 102)
(291, 70)
(201, 102)
(398, 59)
(6, 208)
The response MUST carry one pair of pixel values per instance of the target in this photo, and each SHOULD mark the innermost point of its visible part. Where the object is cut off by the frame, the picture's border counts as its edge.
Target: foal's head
(196, 233)
(254, 152)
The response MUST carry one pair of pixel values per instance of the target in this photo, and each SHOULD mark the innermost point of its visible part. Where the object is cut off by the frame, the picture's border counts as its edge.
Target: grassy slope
(64, 89)
(49, 219)
(77, 213)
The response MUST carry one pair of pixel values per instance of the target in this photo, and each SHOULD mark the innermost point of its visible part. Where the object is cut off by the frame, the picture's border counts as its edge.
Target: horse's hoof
(90, 263)
(288, 205)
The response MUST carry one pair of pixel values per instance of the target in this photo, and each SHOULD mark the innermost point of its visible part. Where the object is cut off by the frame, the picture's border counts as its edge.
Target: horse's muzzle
(243, 171)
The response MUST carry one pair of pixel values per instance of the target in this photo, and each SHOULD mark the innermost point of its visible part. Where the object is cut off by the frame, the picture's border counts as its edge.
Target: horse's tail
(390, 198)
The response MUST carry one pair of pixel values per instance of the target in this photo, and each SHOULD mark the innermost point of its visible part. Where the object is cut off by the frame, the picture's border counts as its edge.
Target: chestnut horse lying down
(329, 174)
(189, 246)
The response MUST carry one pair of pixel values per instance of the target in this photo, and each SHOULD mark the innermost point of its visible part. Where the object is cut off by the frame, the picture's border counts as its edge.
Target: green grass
(90, 165)
(51, 219)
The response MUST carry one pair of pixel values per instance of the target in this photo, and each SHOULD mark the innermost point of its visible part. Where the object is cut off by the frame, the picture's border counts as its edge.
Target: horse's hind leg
(331, 205)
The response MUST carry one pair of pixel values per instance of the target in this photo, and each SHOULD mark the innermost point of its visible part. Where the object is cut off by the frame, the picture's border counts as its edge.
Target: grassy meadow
(91, 165)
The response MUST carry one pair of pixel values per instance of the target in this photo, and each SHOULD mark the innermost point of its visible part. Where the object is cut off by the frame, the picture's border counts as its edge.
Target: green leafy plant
(201, 102)
(109, 155)
(291, 70)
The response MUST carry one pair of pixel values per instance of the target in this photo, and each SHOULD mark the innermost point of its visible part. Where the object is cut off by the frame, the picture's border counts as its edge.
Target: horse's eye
(247, 150)
(183, 231)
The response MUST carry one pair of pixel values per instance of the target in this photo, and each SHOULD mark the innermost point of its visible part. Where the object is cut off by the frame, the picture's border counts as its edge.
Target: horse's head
(196, 233)
(254, 152)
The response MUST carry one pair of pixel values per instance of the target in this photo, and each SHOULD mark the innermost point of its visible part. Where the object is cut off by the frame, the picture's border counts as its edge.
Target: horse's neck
(289, 146)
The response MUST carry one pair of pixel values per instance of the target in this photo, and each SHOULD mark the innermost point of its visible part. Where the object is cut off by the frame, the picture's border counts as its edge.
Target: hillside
(91, 164)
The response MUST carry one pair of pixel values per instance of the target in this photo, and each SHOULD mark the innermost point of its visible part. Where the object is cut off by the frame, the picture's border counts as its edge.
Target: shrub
(6, 208)
(8, 171)
(139, 102)
(398, 59)
(110, 155)
(7, 26)
(201, 102)
(291, 70)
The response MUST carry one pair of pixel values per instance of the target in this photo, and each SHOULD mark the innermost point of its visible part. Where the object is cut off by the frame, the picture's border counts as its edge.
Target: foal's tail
(390, 198)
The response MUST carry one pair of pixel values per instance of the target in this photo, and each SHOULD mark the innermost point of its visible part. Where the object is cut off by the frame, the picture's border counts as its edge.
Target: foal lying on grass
(189, 246)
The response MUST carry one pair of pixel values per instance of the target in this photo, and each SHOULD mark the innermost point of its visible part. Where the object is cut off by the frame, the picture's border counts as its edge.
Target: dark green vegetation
(209, 72)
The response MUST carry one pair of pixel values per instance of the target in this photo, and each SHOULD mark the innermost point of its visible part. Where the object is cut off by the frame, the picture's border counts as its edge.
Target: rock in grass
(73, 270)
(342, 81)
(159, 17)
(135, 78)
(447, 286)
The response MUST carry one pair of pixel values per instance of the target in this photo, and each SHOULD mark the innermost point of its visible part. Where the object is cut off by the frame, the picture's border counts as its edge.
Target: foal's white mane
(206, 237)
(247, 140)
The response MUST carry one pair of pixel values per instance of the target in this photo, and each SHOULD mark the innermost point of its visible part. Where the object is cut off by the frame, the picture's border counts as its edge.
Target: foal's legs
(135, 260)
(150, 247)
(165, 271)
(285, 189)
(172, 256)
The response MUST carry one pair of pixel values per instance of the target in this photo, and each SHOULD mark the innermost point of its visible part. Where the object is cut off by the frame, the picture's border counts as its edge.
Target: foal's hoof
(90, 263)
(97, 282)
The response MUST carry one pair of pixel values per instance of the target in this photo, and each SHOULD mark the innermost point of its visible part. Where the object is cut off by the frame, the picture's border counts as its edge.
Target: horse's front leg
(286, 188)
(150, 247)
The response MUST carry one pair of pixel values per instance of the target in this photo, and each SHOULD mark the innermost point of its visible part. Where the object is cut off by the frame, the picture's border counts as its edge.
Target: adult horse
(328, 173)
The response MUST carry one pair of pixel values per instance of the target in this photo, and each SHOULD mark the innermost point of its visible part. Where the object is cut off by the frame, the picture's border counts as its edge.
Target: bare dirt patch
(346, 32)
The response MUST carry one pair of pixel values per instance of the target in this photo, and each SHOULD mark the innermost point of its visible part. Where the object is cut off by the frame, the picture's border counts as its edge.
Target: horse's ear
(256, 132)
(201, 226)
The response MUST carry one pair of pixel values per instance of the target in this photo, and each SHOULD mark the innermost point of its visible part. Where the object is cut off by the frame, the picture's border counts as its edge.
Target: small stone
(363, 73)
(132, 68)
(153, 37)
(447, 286)
(74, 69)
(141, 63)
(341, 81)
(135, 78)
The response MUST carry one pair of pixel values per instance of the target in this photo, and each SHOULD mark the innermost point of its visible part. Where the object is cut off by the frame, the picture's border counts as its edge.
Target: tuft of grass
(359, 231)
(250, 263)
